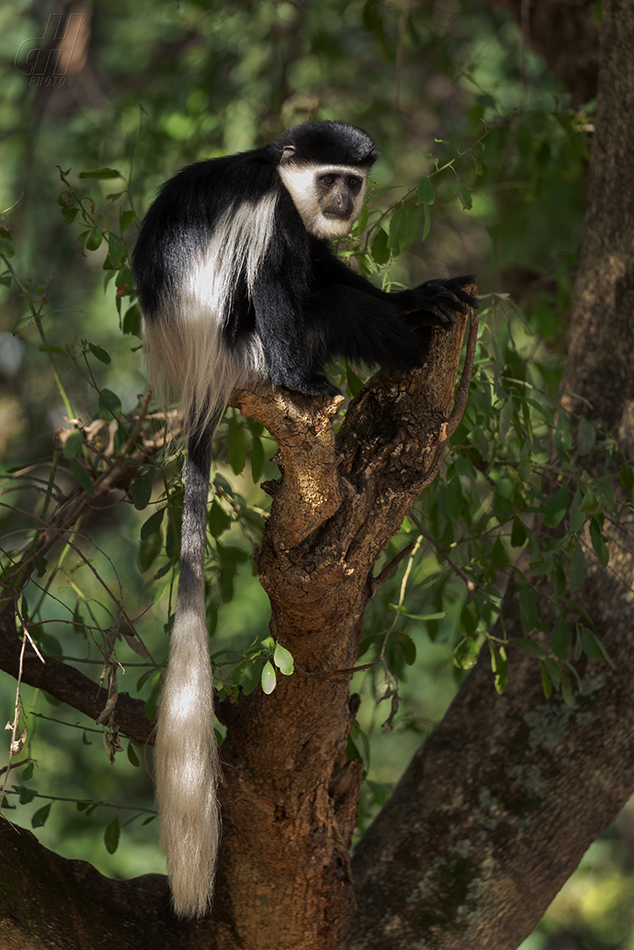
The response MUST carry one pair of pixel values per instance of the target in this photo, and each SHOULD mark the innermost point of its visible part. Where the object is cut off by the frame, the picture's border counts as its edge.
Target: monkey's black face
(329, 198)
(336, 194)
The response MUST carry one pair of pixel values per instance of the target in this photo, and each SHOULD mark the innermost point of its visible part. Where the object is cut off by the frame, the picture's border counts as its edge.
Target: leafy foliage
(502, 186)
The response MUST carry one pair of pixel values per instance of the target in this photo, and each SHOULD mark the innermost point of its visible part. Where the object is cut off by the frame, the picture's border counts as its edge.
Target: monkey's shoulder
(211, 187)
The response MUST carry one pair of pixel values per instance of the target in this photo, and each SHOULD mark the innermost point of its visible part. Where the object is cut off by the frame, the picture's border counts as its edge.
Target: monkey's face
(329, 198)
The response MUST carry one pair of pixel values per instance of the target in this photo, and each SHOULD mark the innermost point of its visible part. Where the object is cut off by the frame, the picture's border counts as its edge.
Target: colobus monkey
(237, 284)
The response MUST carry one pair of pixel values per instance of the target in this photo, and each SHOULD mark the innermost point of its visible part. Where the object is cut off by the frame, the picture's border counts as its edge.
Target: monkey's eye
(354, 183)
(328, 180)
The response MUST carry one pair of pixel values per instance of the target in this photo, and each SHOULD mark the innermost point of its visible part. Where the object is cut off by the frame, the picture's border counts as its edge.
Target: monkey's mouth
(337, 215)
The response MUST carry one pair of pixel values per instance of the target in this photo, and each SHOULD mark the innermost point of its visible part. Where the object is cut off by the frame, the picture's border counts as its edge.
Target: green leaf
(132, 756)
(69, 214)
(152, 524)
(6, 248)
(529, 608)
(127, 217)
(99, 353)
(94, 239)
(454, 501)
(465, 197)
(485, 99)
(101, 173)
(566, 692)
(39, 818)
(116, 253)
(141, 490)
(257, 459)
(599, 545)
(499, 556)
(236, 447)
(518, 533)
(554, 671)
(132, 320)
(109, 404)
(577, 567)
(353, 381)
(26, 795)
(577, 517)
(124, 278)
(561, 638)
(426, 223)
(218, 520)
(111, 835)
(268, 678)
(499, 665)
(563, 436)
(406, 646)
(283, 660)
(73, 444)
(505, 419)
(362, 220)
(21, 322)
(149, 550)
(380, 248)
(592, 645)
(466, 654)
(586, 436)
(556, 507)
(425, 192)
(81, 476)
(397, 222)
(589, 643)
(41, 564)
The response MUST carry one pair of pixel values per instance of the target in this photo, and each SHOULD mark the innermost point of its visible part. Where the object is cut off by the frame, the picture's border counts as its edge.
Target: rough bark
(500, 804)
(284, 761)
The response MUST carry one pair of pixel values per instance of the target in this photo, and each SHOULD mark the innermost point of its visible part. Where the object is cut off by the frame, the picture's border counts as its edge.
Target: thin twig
(443, 551)
(377, 582)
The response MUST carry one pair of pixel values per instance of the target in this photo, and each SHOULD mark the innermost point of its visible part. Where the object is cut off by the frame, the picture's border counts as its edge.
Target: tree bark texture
(288, 885)
(498, 807)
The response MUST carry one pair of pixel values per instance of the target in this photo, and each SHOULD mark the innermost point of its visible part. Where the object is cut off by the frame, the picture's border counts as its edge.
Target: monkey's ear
(287, 152)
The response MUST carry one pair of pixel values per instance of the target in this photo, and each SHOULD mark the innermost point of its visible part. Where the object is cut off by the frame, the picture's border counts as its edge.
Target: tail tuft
(187, 767)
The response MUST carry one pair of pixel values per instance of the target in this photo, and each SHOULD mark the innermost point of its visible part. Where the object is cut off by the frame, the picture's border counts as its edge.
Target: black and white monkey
(237, 284)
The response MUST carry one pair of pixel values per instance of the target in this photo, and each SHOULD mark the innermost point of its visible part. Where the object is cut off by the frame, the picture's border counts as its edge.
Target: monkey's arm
(351, 323)
(431, 302)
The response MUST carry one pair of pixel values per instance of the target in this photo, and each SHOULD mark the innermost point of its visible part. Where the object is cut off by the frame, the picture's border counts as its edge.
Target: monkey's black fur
(237, 283)
(305, 306)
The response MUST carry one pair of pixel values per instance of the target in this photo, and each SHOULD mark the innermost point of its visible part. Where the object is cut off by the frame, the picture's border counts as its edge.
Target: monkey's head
(324, 167)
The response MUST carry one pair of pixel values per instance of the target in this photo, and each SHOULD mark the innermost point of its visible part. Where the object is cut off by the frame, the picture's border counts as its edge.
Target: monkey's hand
(434, 302)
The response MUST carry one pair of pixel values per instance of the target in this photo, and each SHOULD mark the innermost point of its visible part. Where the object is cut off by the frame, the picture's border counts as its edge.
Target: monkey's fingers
(433, 313)
(455, 284)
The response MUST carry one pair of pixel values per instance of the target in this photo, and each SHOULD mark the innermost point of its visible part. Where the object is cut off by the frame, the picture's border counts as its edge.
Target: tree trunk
(498, 807)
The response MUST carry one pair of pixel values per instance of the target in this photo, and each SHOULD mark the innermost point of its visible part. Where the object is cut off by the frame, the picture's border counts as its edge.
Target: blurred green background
(145, 88)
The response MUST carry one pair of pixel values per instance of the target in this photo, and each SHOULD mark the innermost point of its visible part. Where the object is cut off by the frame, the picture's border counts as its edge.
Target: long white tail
(186, 750)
